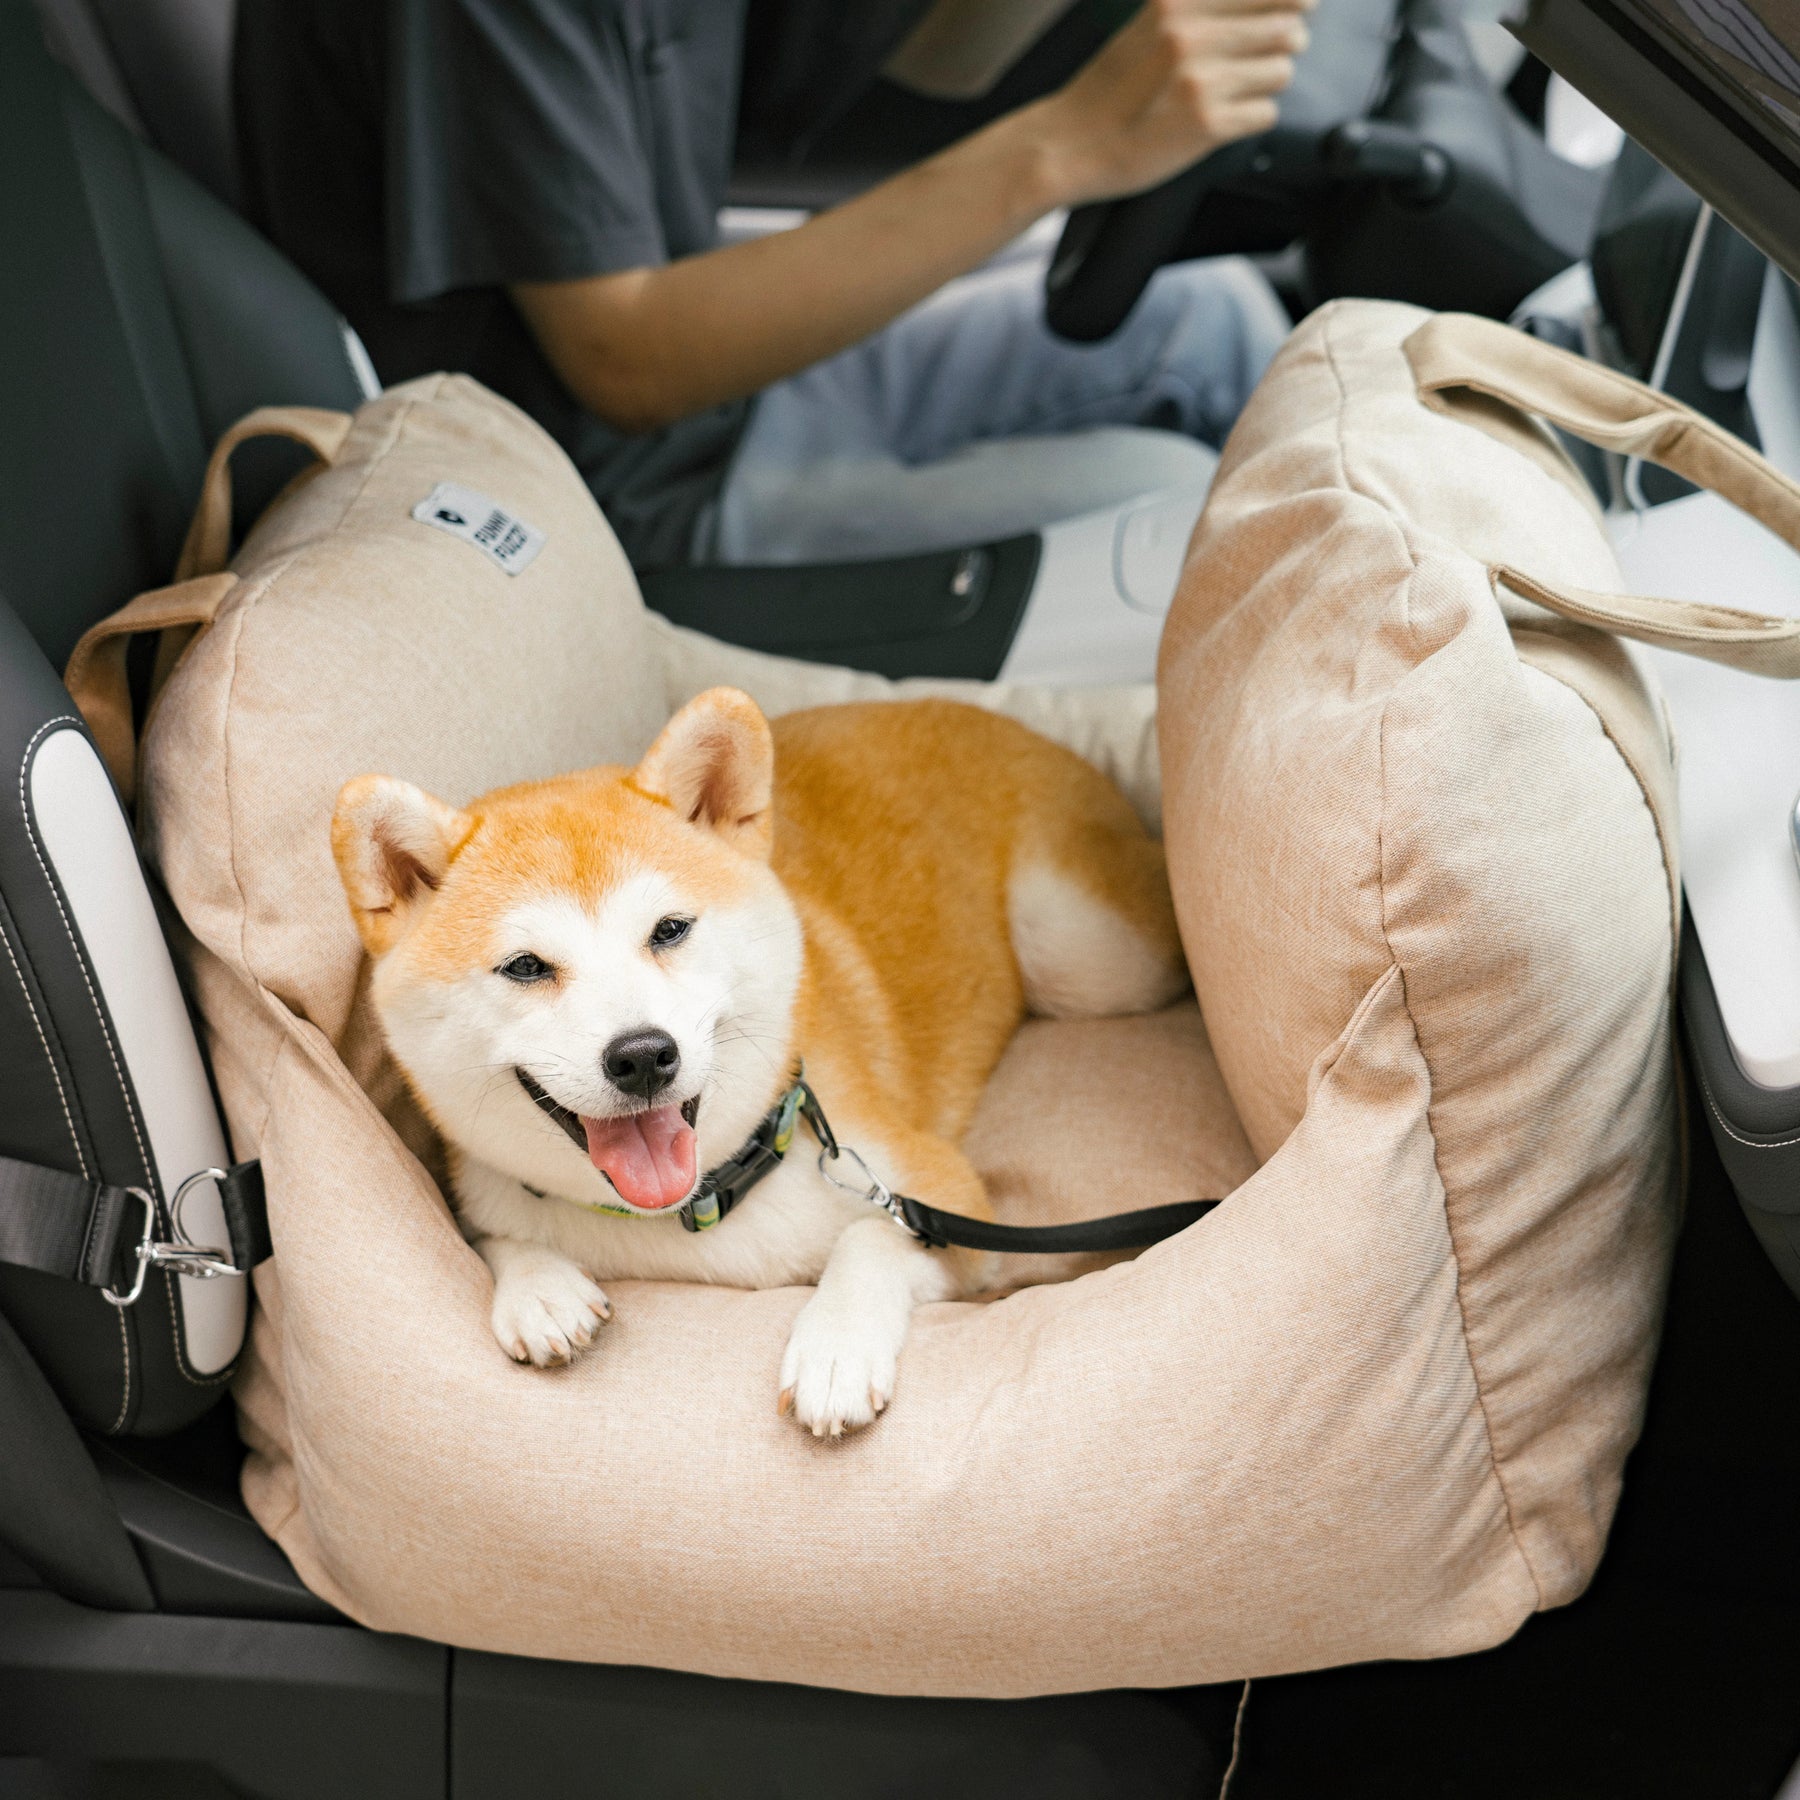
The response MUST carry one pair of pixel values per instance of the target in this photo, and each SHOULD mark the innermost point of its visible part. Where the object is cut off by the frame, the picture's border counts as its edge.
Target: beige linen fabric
(1374, 1406)
(1256, 1447)
(1370, 776)
(1073, 1107)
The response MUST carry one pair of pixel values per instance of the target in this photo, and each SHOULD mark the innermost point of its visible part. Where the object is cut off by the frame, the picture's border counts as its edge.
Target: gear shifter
(1416, 172)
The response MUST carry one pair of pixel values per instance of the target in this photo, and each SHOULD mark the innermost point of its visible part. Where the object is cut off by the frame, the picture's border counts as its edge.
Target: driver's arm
(645, 347)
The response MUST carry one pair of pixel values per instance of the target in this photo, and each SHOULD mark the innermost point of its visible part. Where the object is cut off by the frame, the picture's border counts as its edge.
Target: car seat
(144, 1620)
(162, 68)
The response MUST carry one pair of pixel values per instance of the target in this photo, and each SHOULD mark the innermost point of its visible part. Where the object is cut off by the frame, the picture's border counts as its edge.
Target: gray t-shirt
(415, 157)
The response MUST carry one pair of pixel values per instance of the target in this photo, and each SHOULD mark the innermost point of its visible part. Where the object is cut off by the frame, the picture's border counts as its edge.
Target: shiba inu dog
(603, 987)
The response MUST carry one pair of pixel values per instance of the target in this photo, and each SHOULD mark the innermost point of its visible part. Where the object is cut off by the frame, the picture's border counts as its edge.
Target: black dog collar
(722, 1188)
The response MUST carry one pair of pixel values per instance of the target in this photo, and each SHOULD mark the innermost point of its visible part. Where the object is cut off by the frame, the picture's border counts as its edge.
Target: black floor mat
(1634, 1696)
(1677, 1676)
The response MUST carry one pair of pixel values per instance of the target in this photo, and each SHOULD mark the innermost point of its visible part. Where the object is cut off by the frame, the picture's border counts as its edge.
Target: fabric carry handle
(208, 542)
(96, 676)
(1458, 350)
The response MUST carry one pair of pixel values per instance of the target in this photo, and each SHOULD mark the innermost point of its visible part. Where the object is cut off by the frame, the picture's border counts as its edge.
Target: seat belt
(80, 1230)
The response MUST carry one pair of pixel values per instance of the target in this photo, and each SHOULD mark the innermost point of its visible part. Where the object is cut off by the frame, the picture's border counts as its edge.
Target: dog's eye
(525, 968)
(669, 931)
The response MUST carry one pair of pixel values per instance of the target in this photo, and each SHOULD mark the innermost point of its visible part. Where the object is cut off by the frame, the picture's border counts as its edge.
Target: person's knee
(1211, 329)
(1226, 295)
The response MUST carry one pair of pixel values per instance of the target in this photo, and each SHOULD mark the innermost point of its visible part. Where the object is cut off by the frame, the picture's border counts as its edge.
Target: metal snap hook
(178, 1254)
(874, 1189)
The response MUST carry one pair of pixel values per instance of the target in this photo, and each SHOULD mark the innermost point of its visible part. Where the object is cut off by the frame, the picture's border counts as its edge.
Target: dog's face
(589, 982)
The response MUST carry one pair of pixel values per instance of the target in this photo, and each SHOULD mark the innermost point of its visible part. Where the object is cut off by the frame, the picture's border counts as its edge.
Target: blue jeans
(966, 420)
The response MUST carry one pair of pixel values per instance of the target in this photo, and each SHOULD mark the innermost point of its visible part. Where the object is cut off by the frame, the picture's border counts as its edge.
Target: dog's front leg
(841, 1358)
(546, 1308)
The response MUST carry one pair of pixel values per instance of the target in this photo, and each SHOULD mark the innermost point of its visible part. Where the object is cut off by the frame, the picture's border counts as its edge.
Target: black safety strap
(1118, 1231)
(246, 1214)
(87, 1231)
(64, 1225)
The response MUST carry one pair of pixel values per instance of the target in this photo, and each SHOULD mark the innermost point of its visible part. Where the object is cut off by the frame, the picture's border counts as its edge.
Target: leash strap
(733, 1179)
(110, 1237)
(1118, 1231)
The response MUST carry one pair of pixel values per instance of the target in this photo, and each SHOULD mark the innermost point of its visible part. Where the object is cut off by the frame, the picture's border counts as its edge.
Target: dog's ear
(393, 843)
(714, 763)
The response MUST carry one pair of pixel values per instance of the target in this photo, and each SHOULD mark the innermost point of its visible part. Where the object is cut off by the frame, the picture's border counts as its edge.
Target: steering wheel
(1109, 250)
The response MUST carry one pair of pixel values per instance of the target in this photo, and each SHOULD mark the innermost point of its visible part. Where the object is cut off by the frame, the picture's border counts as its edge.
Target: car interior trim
(88, 846)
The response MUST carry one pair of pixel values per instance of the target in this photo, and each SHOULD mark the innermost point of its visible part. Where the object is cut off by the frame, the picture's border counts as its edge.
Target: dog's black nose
(641, 1062)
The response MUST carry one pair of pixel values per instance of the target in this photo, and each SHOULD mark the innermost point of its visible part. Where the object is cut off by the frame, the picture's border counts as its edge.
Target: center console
(1080, 602)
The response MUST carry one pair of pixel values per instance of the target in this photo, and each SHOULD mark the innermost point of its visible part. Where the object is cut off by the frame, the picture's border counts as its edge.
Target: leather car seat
(145, 1622)
(163, 68)
(155, 318)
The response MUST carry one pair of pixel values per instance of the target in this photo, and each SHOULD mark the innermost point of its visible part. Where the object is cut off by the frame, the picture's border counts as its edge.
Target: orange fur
(896, 828)
(919, 871)
(893, 827)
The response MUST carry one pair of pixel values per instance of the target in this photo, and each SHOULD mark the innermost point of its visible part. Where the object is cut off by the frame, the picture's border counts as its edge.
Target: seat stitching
(37, 1025)
(1725, 1125)
(1481, 1399)
(125, 1091)
(118, 1424)
(1462, 1305)
(55, 1073)
(74, 945)
(181, 1363)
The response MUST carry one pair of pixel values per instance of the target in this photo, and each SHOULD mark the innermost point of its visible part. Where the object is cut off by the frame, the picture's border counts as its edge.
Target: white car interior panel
(89, 848)
(1576, 129)
(1738, 735)
(1104, 584)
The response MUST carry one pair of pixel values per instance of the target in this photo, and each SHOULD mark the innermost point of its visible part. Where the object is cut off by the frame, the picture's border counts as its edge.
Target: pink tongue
(647, 1156)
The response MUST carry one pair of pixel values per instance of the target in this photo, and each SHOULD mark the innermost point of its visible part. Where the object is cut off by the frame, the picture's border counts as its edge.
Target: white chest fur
(780, 1235)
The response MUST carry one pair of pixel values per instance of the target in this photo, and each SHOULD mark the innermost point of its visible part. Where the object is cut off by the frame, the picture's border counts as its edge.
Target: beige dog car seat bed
(1418, 806)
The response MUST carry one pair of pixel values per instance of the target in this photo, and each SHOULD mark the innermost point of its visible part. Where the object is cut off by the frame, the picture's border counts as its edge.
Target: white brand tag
(503, 537)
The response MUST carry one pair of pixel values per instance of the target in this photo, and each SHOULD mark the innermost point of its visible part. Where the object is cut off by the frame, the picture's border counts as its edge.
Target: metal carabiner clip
(874, 1189)
(178, 1254)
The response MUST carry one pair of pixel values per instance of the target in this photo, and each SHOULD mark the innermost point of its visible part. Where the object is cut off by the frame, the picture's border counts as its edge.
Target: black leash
(1118, 1231)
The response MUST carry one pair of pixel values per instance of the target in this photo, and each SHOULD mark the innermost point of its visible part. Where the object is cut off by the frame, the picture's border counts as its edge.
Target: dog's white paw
(548, 1312)
(839, 1369)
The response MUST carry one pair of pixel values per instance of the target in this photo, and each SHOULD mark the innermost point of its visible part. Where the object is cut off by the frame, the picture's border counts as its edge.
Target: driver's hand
(1184, 77)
